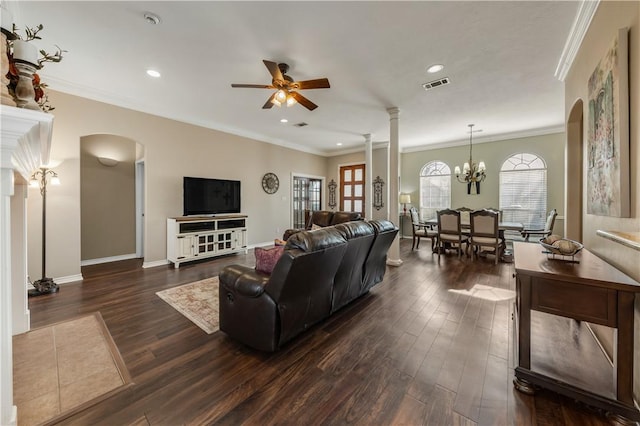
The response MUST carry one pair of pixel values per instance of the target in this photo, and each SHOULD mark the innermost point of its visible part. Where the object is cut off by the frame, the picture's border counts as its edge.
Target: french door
(352, 188)
(307, 197)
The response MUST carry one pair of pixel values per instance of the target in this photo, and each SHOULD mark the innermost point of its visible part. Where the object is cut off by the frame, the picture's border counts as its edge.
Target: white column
(368, 166)
(20, 306)
(24, 146)
(8, 411)
(393, 177)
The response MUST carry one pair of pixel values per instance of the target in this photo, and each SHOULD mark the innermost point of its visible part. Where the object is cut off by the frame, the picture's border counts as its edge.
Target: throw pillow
(266, 258)
(315, 227)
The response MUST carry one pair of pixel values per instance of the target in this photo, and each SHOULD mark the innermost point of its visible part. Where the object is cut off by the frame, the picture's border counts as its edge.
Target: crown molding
(578, 30)
(489, 138)
(91, 93)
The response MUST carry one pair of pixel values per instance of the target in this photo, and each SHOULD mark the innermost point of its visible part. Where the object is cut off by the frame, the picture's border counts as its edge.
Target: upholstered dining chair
(485, 233)
(450, 231)
(421, 230)
(541, 233)
(496, 210)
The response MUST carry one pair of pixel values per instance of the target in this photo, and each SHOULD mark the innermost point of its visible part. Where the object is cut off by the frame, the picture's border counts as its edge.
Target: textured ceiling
(500, 58)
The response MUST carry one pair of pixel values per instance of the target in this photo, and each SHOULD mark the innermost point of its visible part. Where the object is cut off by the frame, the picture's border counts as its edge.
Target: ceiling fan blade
(254, 86)
(320, 83)
(273, 69)
(304, 101)
(269, 104)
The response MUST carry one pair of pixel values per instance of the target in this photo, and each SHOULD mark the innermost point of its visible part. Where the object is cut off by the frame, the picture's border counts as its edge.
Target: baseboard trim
(68, 279)
(394, 262)
(108, 259)
(154, 263)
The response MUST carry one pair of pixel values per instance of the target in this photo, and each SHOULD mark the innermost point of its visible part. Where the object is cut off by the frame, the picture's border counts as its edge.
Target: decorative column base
(44, 286)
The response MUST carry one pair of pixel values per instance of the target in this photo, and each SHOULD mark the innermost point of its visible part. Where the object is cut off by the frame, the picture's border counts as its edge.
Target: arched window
(523, 190)
(435, 188)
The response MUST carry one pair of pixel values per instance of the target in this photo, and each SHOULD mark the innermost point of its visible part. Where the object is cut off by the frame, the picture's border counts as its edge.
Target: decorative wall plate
(270, 183)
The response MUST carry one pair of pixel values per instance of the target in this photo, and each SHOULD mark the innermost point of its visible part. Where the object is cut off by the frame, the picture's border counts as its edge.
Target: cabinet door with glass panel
(352, 188)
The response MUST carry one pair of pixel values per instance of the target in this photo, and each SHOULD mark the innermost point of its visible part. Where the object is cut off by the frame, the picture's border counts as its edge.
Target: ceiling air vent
(436, 83)
(301, 124)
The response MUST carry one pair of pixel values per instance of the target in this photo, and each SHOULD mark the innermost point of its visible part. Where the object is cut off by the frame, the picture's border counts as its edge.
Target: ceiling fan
(287, 89)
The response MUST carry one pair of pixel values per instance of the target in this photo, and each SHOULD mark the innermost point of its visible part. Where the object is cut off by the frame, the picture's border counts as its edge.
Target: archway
(110, 175)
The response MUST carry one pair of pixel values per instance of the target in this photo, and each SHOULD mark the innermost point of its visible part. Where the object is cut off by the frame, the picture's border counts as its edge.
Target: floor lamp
(39, 179)
(404, 199)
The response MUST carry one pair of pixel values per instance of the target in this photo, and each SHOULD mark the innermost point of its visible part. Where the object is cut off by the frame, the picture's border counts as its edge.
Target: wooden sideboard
(588, 289)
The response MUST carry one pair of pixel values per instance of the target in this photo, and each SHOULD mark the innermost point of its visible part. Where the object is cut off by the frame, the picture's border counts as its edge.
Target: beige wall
(172, 150)
(609, 17)
(107, 194)
(549, 147)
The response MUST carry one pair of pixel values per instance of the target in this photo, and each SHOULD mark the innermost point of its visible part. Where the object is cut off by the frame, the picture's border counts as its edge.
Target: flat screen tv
(204, 196)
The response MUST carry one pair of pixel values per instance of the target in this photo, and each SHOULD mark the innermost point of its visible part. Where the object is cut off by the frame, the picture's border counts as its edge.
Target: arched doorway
(574, 173)
(111, 170)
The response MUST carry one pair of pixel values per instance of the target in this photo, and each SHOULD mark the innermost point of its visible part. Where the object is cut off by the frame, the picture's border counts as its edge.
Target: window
(352, 188)
(435, 188)
(307, 197)
(523, 190)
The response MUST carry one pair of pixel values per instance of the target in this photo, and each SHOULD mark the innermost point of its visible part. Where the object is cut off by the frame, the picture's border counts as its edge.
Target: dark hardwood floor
(415, 350)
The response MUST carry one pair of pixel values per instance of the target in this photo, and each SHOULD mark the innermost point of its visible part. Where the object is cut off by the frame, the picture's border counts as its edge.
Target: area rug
(64, 368)
(197, 301)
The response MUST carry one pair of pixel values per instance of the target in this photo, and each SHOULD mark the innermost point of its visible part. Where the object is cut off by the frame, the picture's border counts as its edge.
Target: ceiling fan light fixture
(276, 102)
(281, 95)
(291, 100)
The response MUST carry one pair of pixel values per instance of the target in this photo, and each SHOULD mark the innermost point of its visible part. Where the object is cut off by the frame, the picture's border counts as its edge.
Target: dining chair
(541, 233)
(496, 210)
(485, 233)
(465, 214)
(450, 231)
(421, 230)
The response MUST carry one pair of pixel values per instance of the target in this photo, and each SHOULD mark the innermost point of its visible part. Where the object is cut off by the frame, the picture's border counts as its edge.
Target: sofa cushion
(342, 217)
(266, 258)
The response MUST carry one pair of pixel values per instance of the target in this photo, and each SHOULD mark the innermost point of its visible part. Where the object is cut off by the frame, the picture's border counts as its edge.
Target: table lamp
(404, 200)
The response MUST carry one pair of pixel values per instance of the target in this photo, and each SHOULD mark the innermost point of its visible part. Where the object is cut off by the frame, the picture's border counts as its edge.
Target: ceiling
(499, 56)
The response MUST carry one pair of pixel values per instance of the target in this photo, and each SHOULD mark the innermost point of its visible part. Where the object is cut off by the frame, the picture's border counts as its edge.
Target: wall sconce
(109, 162)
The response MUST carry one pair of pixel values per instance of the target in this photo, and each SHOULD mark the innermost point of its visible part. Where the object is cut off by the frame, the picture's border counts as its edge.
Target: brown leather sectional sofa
(319, 272)
(324, 218)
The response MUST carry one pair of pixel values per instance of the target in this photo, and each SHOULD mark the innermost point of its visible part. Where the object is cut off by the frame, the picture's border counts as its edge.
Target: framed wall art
(608, 132)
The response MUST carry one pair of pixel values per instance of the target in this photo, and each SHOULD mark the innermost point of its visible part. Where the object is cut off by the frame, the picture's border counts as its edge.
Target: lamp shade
(405, 199)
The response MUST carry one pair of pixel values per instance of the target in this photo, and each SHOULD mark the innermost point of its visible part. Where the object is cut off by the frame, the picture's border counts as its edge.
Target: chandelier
(472, 173)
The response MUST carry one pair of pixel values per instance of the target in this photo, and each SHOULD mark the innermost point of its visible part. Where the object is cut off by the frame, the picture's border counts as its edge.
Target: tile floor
(59, 367)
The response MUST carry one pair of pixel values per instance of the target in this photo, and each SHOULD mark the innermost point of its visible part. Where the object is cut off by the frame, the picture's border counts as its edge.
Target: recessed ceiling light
(284, 120)
(435, 68)
(339, 144)
(153, 73)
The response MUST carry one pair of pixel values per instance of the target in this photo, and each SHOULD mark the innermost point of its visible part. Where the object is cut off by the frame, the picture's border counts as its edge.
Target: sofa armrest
(290, 232)
(243, 280)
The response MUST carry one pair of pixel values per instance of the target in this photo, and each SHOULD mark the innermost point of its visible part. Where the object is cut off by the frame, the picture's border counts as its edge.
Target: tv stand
(200, 237)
